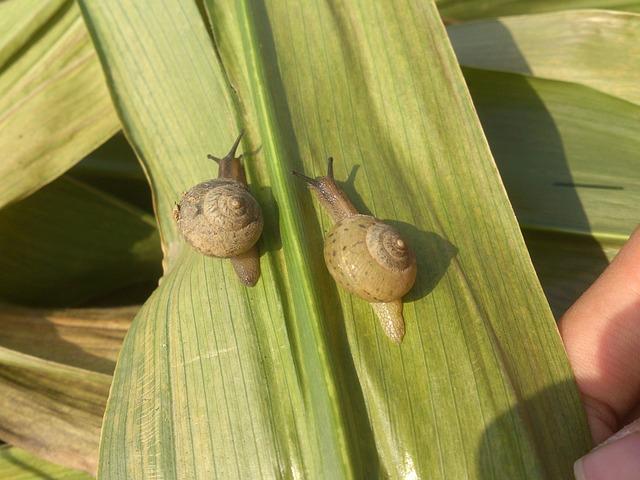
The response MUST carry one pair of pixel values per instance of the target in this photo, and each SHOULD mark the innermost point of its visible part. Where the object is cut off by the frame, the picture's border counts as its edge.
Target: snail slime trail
(365, 256)
(220, 217)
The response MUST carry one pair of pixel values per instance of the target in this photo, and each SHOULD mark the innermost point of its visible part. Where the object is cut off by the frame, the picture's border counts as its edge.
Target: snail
(220, 217)
(365, 256)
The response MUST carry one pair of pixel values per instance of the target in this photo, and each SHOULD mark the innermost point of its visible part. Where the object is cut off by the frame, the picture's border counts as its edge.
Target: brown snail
(220, 217)
(365, 256)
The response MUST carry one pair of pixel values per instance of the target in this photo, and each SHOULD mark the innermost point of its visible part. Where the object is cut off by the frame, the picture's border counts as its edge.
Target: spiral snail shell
(365, 256)
(220, 218)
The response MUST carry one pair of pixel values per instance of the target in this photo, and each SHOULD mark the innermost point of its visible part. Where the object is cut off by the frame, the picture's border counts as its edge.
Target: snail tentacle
(329, 194)
(232, 153)
(309, 180)
(330, 168)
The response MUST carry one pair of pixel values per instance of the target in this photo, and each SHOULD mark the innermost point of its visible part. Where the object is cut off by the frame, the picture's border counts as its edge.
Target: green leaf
(69, 242)
(20, 20)
(54, 105)
(88, 338)
(549, 139)
(462, 10)
(567, 264)
(52, 399)
(550, 134)
(17, 464)
(114, 169)
(51, 409)
(597, 49)
(293, 378)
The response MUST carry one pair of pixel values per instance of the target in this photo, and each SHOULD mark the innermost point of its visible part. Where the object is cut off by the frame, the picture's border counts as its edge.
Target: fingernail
(618, 460)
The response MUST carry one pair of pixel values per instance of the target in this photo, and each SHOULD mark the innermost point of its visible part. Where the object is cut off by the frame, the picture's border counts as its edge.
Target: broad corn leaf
(54, 105)
(69, 243)
(18, 464)
(563, 129)
(294, 378)
(463, 10)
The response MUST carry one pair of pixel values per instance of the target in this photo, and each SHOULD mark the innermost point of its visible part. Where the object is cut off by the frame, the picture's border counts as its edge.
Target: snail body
(366, 256)
(220, 218)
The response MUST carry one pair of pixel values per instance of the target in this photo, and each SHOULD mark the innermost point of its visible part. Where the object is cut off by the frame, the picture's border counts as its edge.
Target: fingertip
(618, 460)
(578, 470)
(601, 337)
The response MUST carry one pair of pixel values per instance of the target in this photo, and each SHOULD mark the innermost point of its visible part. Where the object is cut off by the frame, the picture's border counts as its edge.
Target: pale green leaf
(294, 378)
(18, 464)
(54, 105)
(88, 338)
(568, 157)
(552, 141)
(69, 242)
(51, 409)
(567, 154)
(47, 406)
(114, 168)
(461, 10)
(567, 264)
(598, 49)
(20, 20)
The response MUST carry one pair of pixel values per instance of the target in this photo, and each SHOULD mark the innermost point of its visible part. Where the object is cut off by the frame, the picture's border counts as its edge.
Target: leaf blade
(462, 10)
(199, 310)
(309, 141)
(172, 164)
(597, 49)
(551, 128)
(83, 338)
(17, 464)
(71, 235)
(54, 105)
(51, 409)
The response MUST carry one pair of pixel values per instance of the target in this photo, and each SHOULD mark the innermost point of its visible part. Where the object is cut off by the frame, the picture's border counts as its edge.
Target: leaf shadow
(31, 331)
(546, 425)
(551, 439)
(270, 240)
(496, 96)
(349, 188)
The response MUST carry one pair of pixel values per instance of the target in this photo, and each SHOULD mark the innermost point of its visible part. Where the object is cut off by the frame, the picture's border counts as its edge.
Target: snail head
(229, 166)
(318, 181)
(329, 194)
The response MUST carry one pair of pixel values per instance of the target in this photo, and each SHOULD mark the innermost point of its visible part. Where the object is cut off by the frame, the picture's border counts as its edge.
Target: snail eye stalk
(232, 153)
(311, 181)
(330, 168)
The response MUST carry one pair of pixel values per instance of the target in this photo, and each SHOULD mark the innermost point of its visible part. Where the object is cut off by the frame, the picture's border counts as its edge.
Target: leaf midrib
(295, 257)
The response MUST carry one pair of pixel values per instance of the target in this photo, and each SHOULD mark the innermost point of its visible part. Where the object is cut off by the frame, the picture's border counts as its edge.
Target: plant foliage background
(293, 378)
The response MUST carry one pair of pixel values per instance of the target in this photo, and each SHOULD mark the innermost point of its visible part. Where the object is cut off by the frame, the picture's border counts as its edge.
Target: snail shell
(370, 259)
(364, 255)
(220, 218)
